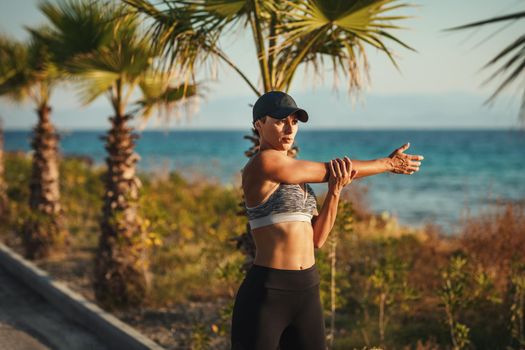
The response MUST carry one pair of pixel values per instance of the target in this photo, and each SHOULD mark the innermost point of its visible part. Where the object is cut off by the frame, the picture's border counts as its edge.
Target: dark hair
(254, 128)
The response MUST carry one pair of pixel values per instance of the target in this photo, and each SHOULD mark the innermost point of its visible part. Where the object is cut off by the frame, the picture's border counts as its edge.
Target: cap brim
(284, 112)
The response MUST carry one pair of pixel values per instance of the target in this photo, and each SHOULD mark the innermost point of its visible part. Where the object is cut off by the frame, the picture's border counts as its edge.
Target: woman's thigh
(307, 329)
(259, 317)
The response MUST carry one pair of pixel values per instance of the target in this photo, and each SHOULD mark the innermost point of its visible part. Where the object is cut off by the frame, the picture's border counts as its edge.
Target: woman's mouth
(287, 139)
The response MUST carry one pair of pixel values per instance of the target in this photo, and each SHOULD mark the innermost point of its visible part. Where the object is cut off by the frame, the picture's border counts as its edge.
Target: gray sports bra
(287, 203)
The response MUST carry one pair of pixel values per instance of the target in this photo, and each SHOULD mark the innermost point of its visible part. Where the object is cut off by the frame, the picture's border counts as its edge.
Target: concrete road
(29, 322)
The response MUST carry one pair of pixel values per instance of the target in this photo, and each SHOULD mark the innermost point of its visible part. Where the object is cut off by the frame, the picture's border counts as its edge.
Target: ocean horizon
(465, 171)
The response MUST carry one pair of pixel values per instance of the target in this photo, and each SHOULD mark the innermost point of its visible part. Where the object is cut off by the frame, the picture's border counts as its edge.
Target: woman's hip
(259, 276)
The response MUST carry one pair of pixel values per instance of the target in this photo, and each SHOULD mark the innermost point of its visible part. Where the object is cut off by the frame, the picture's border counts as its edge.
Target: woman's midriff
(285, 245)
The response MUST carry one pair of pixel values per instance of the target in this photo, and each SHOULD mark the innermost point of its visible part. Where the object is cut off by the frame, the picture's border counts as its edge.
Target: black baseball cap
(278, 105)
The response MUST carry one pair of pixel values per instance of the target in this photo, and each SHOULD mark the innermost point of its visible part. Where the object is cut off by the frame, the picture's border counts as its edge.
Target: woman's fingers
(338, 167)
(348, 164)
(415, 157)
(342, 166)
(332, 170)
(404, 147)
(411, 160)
(341, 172)
(412, 166)
(342, 169)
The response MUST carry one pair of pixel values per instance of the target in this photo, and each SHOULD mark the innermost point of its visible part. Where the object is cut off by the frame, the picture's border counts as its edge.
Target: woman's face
(278, 134)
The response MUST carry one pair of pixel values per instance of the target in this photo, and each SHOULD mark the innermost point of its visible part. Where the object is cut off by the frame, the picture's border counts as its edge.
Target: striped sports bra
(289, 202)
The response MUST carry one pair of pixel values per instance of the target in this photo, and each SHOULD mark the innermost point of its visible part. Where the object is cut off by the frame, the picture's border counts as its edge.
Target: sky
(439, 86)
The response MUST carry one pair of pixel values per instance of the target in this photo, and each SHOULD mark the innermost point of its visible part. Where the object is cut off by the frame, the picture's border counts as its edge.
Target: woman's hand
(341, 174)
(401, 163)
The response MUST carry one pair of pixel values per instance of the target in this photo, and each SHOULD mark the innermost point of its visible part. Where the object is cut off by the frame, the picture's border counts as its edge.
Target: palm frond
(339, 29)
(227, 10)
(98, 44)
(14, 75)
(41, 61)
(518, 62)
(77, 26)
(27, 70)
(188, 31)
(504, 18)
(159, 94)
(119, 57)
(513, 67)
(286, 33)
(95, 73)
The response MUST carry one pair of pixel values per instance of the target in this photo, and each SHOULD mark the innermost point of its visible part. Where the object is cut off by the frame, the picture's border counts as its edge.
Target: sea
(465, 173)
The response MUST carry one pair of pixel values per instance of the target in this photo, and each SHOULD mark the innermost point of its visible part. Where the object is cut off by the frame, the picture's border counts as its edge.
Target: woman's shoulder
(248, 164)
(253, 172)
(257, 157)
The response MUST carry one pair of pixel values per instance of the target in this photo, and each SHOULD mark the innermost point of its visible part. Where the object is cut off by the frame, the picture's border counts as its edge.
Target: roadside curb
(115, 333)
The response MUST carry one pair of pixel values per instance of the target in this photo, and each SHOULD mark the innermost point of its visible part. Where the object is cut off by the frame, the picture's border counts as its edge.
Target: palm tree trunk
(44, 233)
(3, 185)
(121, 266)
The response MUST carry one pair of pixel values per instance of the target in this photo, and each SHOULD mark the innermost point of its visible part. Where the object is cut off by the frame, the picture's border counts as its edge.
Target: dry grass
(495, 240)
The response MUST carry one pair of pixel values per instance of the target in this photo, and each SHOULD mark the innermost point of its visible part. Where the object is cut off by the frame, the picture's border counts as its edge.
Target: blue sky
(438, 87)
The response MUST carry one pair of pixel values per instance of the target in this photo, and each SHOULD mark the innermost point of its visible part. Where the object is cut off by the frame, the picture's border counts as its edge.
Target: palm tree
(4, 73)
(286, 34)
(512, 58)
(114, 61)
(29, 73)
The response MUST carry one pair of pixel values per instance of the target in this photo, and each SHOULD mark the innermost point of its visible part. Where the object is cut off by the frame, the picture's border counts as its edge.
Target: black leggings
(278, 309)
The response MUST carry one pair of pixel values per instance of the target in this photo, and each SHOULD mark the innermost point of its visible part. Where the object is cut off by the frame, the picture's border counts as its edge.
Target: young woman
(278, 302)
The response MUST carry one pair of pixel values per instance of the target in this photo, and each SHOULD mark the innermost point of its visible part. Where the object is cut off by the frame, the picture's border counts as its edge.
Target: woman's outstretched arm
(371, 167)
(281, 168)
(397, 162)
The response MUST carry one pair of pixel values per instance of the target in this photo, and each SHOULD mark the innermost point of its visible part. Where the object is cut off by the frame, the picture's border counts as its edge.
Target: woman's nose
(288, 128)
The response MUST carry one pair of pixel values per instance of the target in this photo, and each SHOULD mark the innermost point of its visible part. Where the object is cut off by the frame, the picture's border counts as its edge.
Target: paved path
(29, 322)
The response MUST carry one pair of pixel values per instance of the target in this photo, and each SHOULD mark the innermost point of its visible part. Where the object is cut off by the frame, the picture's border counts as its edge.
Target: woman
(278, 302)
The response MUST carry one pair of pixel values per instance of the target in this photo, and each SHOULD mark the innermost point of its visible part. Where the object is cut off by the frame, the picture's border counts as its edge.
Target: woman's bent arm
(341, 174)
(323, 223)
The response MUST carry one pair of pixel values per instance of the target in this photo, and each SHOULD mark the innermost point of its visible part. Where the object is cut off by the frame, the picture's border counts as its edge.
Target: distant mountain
(326, 109)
